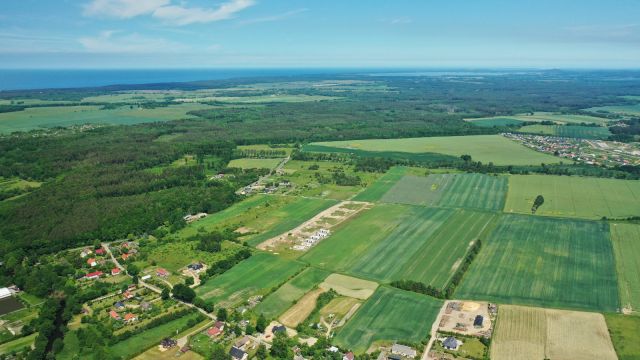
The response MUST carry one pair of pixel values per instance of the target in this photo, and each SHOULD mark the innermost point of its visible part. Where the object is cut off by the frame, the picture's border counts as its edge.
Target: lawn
(475, 191)
(626, 247)
(542, 261)
(280, 300)
(624, 332)
(389, 315)
(529, 333)
(573, 196)
(485, 148)
(46, 117)
(249, 163)
(254, 276)
(583, 132)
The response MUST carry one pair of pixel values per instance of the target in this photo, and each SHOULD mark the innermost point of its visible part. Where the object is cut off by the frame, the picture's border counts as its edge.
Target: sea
(17, 79)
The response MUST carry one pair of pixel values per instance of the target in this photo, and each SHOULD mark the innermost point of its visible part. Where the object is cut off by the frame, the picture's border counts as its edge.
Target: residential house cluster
(312, 240)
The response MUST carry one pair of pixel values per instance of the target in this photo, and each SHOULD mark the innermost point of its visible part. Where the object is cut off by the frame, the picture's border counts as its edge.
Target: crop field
(573, 196)
(626, 247)
(474, 191)
(495, 121)
(254, 276)
(633, 110)
(375, 191)
(584, 132)
(485, 148)
(542, 261)
(546, 116)
(248, 163)
(349, 286)
(389, 315)
(529, 333)
(46, 117)
(301, 310)
(280, 300)
(624, 332)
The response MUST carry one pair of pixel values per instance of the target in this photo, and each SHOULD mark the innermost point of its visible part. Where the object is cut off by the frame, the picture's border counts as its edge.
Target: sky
(319, 34)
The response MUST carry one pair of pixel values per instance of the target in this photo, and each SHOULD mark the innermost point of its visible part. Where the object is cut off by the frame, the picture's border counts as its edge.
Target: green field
(495, 121)
(624, 332)
(254, 276)
(17, 344)
(247, 163)
(573, 196)
(583, 132)
(633, 110)
(475, 191)
(546, 116)
(46, 117)
(389, 315)
(283, 298)
(174, 256)
(542, 261)
(376, 190)
(485, 148)
(626, 247)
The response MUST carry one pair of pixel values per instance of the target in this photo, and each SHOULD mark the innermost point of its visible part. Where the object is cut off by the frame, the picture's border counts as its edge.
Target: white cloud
(123, 9)
(111, 42)
(165, 10)
(180, 15)
(277, 17)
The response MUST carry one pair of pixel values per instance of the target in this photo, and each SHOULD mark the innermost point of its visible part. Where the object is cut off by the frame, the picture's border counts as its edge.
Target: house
(124, 257)
(450, 343)
(114, 315)
(127, 295)
(130, 318)
(195, 266)
(115, 271)
(394, 357)
(243, 343)
(119, 305)
(146, 277)
(404, 351)
(348, 356)
(333, 349)
(162, 272)
(5, 293)
(168, 343)
(278, 328)
(93, 275)
(85, 253)
(238, 354)
(185, 349)
(214, 332)
(145, 306)
(92, 262)
(219, 325)
(478, 321)
(100, 251)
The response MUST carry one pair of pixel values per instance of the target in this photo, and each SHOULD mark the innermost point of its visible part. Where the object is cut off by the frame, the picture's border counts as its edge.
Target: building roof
(100, 251)
(114, 315)
(91, 261)
(348, 356)
(119, 304)
(5, 292)
(450, 342)
(214, 331)
(219, 324)
(115, 271)
(478, 320)
(94, 274)
(404, 350)
(130, 316)
(125, 256)
(162, 272)
(237, 353)
(278, 328)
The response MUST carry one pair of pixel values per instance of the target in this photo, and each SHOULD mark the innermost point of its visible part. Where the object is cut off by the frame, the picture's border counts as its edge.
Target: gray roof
(236, 353)
(402, 349)
(450, 342)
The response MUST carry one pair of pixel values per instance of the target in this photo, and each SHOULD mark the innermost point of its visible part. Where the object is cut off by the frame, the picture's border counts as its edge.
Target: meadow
(546, 116)
(573, 196)
(175, 255)
(495, 121)
(626, 247)
(542, 261)
(624, 332)
(474, 191)
(486, 148)
(389, 315)
(283, 298)
(17, 344)
(583, 132)
(255, 276)
(249, 163)
(529, 333)
(633, 110)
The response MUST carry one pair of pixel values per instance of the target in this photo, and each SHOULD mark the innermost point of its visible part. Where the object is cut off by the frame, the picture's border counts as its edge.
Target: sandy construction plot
(349, 286)
(302, 309)
(326, 219)
(535, 333)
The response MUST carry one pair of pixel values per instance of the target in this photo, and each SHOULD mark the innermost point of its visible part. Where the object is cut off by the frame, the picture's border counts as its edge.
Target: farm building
(5, 292)
(238, 354)
(450, 343)
(404, 351)
(478, 321)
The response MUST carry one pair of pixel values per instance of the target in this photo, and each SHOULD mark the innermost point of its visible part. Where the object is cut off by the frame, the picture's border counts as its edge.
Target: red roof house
(125, 257)
(214, 332)
(162, 272)
(130, 317)
(114, 315)
(93, 275)
(115, 271)
(100, 251)
(92, 262)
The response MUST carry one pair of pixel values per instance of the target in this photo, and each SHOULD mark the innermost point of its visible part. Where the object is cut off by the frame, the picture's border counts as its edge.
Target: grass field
(247, 163)
(176, 255)
(396, 242)
(485, 148)
(349, 286)
(626, 247)
(546, 116)
(583, 132)
(573, 196)
(389, 315)
(280, 300)
(495, 121)
(254, 276)
(17, 344)
(46, 117)
(474, 191)
(633, 110)
(624, 332)
(528, 333)
(375, 191)
(299, 312)
(547, 262)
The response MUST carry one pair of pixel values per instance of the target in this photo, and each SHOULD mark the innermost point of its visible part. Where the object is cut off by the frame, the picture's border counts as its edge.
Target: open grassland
(254, 276)
(528, 333)
(543, 261)
(349, 286)
(248, 163)
(626, 247)
(495, 121)
(375, 191)
(624, 332)
(633, 110)
(485, 148)
(475, 191)
(280, 300)
(544, 116)
(573, 196)
(47, 117)
(389, 315)
(583, 132)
